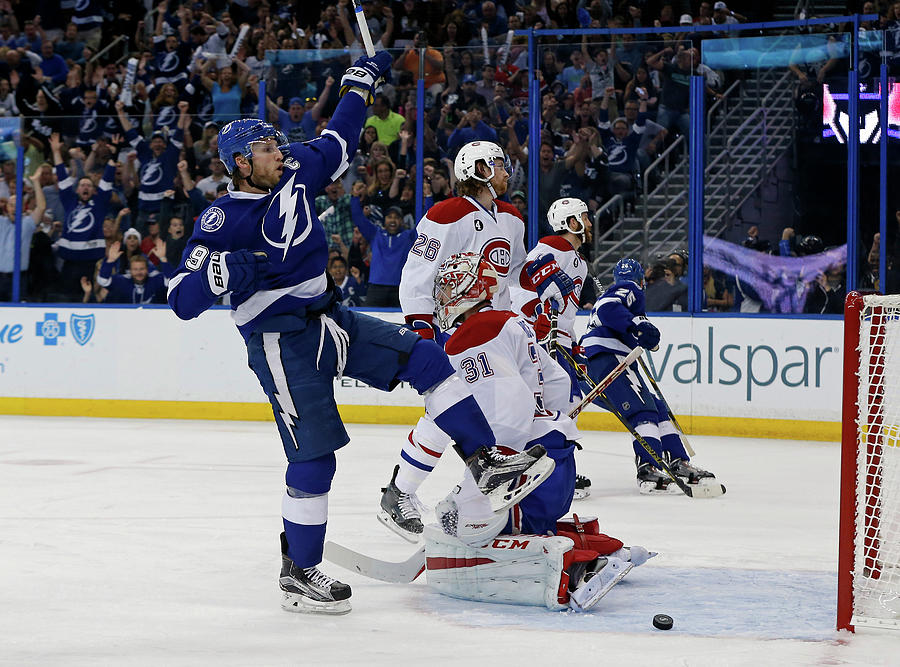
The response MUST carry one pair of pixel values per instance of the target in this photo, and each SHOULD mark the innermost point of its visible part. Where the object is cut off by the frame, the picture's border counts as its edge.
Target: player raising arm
(524, 393)
(617, 325)
(263, 244)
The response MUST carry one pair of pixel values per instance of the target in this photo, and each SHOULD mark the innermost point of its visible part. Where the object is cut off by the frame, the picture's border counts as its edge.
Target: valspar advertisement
(759, 368)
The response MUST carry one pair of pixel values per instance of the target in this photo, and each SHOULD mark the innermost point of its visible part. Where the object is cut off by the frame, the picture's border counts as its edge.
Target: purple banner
(781, 282)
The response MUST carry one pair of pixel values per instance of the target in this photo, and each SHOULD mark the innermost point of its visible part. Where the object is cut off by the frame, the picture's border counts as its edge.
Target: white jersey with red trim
(461, 224)
(521, 390)
(524, 297)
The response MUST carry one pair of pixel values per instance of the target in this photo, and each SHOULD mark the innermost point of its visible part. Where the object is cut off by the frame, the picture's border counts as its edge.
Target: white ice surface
(156, 543)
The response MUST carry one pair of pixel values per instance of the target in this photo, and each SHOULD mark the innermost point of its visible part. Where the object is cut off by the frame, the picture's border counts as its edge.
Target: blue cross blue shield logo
(50, 328)
(81, 328)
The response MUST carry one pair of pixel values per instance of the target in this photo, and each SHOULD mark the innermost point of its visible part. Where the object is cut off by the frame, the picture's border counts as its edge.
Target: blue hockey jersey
(157, 173)
(282, 223)
(615, 312)
(82, 234)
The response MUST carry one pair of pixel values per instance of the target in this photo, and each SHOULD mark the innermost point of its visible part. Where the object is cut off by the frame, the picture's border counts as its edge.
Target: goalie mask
(562, 209)
(464, 167)
(463, 281)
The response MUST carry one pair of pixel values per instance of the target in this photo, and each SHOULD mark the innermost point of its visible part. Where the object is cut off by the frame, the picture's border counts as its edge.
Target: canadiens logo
(212, 219)
(498, 252)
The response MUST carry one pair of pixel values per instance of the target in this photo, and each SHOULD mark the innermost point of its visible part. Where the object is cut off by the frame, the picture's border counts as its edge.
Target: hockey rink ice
(149, 542)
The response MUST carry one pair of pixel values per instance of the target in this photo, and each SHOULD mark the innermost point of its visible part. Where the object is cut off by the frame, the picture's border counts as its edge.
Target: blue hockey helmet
(239, 136)
(628, 269)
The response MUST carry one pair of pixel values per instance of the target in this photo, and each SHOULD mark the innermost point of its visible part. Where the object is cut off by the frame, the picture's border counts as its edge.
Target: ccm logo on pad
(505, 543)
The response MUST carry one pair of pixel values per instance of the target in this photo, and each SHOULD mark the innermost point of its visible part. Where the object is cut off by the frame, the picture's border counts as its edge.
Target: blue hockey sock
(650, 433)
(465, 423)
(671, 441)
(304, 508)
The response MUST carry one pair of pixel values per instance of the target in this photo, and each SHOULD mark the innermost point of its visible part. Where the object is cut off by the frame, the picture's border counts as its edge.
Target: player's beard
(501, 186)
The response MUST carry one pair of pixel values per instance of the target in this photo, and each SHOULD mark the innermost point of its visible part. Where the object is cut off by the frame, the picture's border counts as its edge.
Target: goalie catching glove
(366, 75)
(238, 271)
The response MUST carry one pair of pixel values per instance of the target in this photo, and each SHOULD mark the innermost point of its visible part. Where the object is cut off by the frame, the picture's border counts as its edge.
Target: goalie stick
(403, 572)
(709, 491)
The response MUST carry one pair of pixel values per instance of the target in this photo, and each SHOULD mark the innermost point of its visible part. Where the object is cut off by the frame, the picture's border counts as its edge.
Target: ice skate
(400, 511)
(582, 487)
(596, 581)
(496, 468)
(309, 591)
(653, 481)
(690, 473)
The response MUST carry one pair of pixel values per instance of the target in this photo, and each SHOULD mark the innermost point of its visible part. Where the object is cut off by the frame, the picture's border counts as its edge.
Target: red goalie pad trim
(441, 563)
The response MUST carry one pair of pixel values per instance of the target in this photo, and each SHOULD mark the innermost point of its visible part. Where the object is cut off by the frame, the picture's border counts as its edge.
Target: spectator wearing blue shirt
(572, 75)
(53, 65)
(30, 38)
(7, 239)
(140, 287)
(390, 247)
(298, 123)
(470, 128)
(70, 47)
(350, 290)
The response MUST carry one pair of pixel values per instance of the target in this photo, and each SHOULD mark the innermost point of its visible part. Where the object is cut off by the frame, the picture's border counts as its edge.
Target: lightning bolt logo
(633, 379)
(82, 219)
(169, 61)
(287, 199)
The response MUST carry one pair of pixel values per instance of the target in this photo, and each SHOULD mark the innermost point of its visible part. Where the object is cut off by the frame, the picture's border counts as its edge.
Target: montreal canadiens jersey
(620, 307)
(524, 296)
(282, 223)
(520, 389)
(461, 224)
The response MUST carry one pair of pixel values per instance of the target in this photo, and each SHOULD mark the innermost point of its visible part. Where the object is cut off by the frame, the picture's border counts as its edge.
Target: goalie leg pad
(466, 514)
(511, 569)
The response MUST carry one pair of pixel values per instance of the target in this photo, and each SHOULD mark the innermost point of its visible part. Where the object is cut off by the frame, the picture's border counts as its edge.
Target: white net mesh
(876, 572)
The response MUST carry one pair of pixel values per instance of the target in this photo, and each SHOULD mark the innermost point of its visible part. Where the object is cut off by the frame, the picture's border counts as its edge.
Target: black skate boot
(652, 480)
(496, 468)
(687, 470)
(582, 487)
(309, 591)
(400, 511)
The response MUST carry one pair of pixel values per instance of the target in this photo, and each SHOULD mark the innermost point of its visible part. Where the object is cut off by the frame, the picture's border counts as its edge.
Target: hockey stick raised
(709, 491)
(363, 28)
(605, 382)
(554, 330)
(404, 572)
(687, 445)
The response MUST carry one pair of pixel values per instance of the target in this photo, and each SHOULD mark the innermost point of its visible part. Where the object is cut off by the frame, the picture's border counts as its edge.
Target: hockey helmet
(464, 280)
(810, 245)
(238, 137)
(561, 210)
(469, 155)
(628, 269)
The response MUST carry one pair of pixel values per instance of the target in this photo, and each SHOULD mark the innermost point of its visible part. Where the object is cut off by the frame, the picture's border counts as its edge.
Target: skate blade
(592, 597)
(386, 521)
(300, 604)
(649, 489)
(502, 497)
(581, 494)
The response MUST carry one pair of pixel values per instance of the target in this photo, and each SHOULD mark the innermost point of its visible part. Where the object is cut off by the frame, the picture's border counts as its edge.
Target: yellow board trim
(790, 429)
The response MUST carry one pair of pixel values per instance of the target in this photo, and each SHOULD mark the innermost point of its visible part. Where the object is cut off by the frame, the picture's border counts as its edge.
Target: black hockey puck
(662, 622)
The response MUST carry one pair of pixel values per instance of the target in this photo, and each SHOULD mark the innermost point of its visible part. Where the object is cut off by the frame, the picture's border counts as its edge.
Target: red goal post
(869, 537)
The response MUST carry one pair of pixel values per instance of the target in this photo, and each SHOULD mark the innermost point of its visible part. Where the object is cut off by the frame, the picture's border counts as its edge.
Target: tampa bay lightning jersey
(619, 308)
(282, 223)
(82, 232)
(157, 172)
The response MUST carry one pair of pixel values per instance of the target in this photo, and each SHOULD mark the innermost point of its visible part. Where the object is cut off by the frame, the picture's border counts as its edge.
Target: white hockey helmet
(464, 280)
(471, 153)
(561, 210)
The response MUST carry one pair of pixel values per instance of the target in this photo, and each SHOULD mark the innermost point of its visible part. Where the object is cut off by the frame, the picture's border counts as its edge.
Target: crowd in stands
(119, 164)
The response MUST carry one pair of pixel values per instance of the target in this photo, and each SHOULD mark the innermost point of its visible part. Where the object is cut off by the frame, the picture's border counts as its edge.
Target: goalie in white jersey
(548, 290)
(524, 394)
(476, 221)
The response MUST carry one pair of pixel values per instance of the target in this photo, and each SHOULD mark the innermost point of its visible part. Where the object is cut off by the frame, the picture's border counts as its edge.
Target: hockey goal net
(869, 562)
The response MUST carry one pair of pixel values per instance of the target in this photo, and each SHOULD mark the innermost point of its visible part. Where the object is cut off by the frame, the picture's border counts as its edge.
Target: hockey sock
(305, 517)
(650, 433)
(421, 452)
(304, 508)
(452, 408)
(671, 441)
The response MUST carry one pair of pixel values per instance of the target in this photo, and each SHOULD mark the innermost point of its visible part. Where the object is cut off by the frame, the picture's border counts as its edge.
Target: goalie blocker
(573, 569)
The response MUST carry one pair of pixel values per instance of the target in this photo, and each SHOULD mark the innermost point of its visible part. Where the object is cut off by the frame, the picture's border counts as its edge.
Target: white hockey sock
(421, 452)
